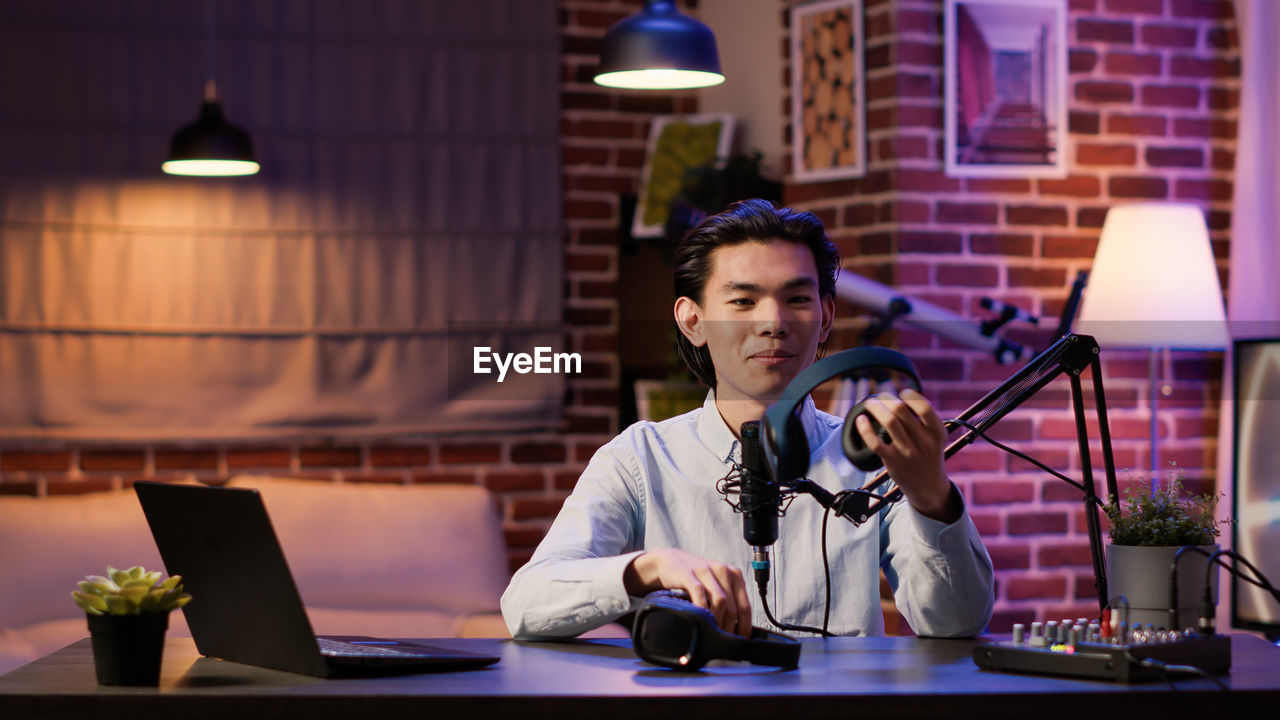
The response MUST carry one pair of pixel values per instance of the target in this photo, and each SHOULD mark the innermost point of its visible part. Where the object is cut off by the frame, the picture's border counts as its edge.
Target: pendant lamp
(659, 48)
(211, 146)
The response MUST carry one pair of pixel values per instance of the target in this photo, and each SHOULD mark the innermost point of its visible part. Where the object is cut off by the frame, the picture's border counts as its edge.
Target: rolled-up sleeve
(941, 573)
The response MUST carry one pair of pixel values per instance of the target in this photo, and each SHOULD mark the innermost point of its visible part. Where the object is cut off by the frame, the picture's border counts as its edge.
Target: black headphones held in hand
(672, 632)
(785, 447)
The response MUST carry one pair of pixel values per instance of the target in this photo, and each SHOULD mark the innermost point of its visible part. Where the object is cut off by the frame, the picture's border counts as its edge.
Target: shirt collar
(715, 433)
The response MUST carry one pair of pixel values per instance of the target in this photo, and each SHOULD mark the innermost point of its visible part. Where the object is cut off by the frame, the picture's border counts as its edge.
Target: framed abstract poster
(677, 144)
(1005, 88)
(828, 101)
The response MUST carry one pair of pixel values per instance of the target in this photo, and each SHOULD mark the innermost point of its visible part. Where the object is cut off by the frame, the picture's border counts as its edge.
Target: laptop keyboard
(342, 649)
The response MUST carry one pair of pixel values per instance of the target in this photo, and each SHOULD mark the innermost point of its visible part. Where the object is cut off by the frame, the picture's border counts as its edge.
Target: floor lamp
(1154, 285)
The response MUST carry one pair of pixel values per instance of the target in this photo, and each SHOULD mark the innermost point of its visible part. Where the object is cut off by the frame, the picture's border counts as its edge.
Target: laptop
(246, 607)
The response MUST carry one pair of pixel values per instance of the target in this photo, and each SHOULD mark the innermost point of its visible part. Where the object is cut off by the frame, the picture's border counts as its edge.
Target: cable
(826, 569)
(764, 602)
(1166, 668)
(1017, 453)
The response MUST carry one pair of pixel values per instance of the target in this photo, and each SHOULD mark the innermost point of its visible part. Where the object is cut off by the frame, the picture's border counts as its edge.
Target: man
(755, 292)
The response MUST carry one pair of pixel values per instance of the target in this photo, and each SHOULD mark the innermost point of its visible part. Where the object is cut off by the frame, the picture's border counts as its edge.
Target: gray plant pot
(1141, 575)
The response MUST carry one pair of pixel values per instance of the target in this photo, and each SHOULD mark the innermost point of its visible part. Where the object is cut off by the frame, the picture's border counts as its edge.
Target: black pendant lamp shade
(659, 48)
(211, 145)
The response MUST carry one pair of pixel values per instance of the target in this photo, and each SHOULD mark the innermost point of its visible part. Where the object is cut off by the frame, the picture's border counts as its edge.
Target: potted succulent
(128, 614)
(1146, 533)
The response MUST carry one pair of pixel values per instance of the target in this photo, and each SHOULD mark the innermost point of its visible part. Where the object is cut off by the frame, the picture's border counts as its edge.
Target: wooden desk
(845, 677)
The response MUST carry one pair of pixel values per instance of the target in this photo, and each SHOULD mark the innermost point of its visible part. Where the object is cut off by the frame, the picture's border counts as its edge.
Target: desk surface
(888, 677)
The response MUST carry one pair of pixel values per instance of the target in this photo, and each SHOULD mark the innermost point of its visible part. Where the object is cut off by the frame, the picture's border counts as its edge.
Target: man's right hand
(712, 585)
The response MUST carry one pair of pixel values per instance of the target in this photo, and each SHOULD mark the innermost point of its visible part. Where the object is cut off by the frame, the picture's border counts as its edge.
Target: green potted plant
(1146, 532)
(128, 614)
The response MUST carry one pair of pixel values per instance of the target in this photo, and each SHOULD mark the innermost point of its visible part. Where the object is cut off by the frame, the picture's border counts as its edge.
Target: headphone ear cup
(851, 440)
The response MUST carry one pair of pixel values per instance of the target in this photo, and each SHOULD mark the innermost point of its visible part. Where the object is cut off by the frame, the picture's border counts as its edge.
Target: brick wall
(1153, 89)
(603, 147)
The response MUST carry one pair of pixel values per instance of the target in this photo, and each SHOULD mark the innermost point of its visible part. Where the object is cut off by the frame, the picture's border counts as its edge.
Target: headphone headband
(783, 435)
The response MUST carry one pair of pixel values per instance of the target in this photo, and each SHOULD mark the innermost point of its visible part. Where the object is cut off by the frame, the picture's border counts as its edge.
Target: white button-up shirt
(654, 486)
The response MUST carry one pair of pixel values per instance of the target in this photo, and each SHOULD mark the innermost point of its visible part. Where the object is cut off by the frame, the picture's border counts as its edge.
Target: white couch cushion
(388, 547)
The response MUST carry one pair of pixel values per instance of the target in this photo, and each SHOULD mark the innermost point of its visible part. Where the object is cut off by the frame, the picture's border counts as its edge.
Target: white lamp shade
(1154, 282)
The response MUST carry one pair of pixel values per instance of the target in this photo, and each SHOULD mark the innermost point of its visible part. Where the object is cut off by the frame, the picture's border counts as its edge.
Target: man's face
(761, 318)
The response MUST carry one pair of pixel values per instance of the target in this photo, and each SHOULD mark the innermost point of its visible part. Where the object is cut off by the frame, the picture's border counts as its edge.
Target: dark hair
(746, 221)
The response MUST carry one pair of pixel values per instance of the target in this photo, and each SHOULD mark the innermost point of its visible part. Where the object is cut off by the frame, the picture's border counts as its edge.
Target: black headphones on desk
(672, 632)
(785, 447)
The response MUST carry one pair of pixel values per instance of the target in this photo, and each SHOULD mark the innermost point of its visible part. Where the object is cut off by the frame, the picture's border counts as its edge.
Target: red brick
(588, 209)
(1090, 217)
(523, 537)
(1094, 91)
(1060, 246)
(1195, 67)
(1202, 9)
(630, 158)
(917, 21)
(1037, 277)
(1033, 523)
(586, 262)
(596, 289)
(382, 478)
(507, 481)
(968, 213)
(1074, 186)
(1010, 557)
(1002, 621)
(1081, 60)
(261, 457)
(1134, 7)
(1138, 187)
(1002, 244)
(987, 523)
(98, 460)
(399, 456)
(1084, 123)
(600, 183)
(906, 211)
(1137, 125)
(1214, 190)
(976, 459)
(538, 453)
(454, 454)
(1100, 154)
(1176, 96)
(1170, 36)
(909, 180)
(1117, 32)
(646, 103)
(998, 185)
(1027, 588)
(329, 457)
(1130, 63)
(1064, 555)
(1222, 98)
(32, 461)
(906, 146)
(1086, 589)
(527, 508)
(28, 488)
(186, 460)
(1035, 215)
(1223, 128)
(930, 242)
(1222, 38)
(598, 19)
(968, 276)
(1192, 157)
(1002, 492)
(584, 317)
(579, 155)
(587, 424)
(918, 53)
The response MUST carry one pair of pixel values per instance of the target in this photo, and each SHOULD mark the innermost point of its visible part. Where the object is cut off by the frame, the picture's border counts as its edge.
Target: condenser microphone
(759, 501)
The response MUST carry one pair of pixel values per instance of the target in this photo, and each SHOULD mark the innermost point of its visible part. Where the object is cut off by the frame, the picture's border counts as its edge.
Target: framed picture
(828, 103)
(677, 144)
(1256, 491)
(1006, 88)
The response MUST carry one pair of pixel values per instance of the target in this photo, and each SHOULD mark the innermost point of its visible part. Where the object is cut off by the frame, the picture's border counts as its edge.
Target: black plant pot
(127, 648)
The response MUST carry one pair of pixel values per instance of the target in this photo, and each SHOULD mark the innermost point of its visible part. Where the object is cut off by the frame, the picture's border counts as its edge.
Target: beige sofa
(409, 561)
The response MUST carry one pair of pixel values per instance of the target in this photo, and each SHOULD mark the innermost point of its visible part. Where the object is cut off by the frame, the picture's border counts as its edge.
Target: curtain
(407, 212)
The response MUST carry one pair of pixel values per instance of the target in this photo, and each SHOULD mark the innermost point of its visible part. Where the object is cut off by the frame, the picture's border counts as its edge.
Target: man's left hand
(913, 453)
